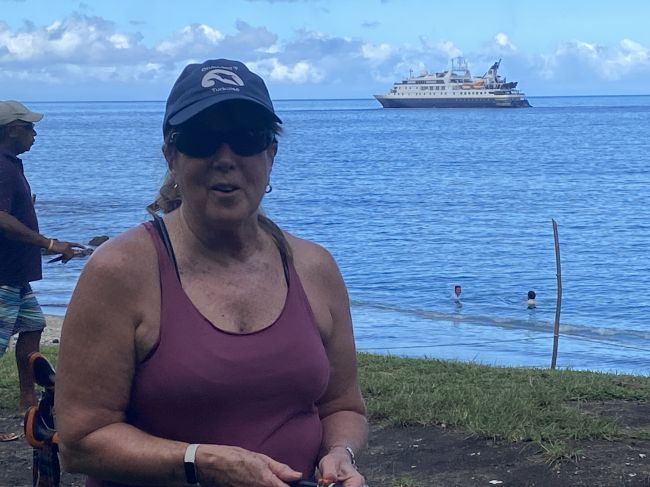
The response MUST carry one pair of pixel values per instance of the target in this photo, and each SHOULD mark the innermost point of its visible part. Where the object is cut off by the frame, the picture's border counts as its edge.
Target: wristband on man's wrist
(188, 464)
(50, 244)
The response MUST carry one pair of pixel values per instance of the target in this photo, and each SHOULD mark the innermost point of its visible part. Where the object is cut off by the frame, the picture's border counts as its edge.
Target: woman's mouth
(224, 188)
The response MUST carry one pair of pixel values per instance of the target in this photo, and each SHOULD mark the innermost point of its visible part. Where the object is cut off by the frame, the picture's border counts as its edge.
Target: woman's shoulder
(129, 254)
(308, 251)
(313, 261)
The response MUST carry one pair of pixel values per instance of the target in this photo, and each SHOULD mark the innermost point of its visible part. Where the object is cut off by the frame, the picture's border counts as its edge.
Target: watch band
(347, 449)
(188, 463)
(351, 452)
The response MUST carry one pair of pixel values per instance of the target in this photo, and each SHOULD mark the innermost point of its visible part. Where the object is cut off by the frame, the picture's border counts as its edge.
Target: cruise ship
(455, 88)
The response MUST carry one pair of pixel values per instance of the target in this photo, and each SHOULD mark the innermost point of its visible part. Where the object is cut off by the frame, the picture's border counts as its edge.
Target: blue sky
(133, 50)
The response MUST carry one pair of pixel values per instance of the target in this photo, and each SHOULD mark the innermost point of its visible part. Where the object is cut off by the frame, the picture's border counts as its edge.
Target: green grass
(515, 404)
(9, 377)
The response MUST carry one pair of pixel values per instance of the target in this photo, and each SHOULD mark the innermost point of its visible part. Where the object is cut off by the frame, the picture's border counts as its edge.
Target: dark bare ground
(435, 456)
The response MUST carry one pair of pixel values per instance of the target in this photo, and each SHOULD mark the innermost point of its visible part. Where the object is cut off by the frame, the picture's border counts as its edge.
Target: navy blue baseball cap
(204, 85)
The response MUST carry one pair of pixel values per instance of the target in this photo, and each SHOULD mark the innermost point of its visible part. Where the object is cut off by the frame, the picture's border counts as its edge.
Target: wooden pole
(558, 305)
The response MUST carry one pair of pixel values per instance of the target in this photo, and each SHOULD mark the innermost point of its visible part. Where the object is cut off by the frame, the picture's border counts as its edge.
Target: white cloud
(274, 70)
(377, 52)
(190, 39)
(503, 41)
(630, 55)
(448, 48)
(602, 62)
(77, 40)
(120, 41)
(90, 50)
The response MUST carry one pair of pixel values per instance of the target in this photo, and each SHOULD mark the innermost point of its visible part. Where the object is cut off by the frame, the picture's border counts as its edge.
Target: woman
(215, 348)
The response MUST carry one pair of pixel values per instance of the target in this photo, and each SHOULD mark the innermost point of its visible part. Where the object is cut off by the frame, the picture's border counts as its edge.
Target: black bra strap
(285, 263)
(160, 227)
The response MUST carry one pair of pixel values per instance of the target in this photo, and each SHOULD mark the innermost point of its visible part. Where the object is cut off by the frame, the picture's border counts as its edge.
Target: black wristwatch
(347, 449)
(188, 463)
(351, 452)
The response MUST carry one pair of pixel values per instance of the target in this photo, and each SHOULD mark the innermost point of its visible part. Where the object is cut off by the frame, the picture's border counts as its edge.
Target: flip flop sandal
(4, 437)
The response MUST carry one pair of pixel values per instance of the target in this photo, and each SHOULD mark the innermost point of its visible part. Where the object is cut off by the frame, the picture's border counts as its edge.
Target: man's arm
(13, 229)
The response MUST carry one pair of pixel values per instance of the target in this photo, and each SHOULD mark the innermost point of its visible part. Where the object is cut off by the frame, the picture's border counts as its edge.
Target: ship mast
(459, 64)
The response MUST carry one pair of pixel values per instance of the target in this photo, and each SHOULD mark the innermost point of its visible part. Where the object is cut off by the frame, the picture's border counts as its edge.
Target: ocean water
(411, 202)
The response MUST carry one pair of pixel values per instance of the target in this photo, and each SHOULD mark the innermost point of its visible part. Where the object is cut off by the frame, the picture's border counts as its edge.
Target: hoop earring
(268, 189)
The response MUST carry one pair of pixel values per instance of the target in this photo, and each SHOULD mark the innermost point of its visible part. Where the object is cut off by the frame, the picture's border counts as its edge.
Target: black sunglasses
(27, 125)
(204, 143)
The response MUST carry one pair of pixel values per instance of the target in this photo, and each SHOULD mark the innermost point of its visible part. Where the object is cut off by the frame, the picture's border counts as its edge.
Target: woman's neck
(228, 241)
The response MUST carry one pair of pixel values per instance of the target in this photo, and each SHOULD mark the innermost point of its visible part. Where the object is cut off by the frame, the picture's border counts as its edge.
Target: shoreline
(52, 332)
(52, 335)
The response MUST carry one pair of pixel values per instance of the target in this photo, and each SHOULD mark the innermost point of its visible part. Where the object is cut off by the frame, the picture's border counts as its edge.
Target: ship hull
(393, 102)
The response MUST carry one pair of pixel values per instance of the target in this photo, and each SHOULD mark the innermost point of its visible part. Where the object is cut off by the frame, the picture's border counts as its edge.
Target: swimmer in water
(531, 303)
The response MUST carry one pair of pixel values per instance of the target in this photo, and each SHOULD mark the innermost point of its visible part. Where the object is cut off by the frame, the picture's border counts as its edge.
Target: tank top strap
(285, 264)
(161, 229)
(161, 237)
(166, 267)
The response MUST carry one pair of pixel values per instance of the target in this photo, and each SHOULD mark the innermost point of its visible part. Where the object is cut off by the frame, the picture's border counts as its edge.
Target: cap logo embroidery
(223, 76)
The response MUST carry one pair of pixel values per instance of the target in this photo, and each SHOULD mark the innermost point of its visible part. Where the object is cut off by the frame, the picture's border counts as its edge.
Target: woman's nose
(224, 157)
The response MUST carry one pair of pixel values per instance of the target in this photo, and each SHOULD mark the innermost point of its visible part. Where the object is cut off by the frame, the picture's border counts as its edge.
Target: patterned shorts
(19, 312)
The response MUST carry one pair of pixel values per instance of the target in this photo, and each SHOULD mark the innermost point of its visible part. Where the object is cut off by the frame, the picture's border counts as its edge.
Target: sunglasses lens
(193, 144)
(249, 142)
(204, 144)
(25, 125)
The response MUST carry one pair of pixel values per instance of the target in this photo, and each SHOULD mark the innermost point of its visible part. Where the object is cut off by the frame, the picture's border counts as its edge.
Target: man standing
(20, 248)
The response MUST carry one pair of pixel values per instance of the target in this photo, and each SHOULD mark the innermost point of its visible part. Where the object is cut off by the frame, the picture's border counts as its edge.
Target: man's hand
(67, 249)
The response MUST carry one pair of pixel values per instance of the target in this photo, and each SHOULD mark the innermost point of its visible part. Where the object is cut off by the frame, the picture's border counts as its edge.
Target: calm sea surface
(411, 202)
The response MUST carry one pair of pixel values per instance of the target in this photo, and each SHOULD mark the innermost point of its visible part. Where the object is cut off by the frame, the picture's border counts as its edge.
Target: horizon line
(320, 99)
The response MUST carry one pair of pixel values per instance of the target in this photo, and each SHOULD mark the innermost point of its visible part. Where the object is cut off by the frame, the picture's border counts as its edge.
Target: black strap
(285, 263)
(160, 227)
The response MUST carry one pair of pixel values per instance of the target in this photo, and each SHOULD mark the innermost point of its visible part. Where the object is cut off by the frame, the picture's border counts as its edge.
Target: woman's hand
(229, 466)
(337, 467)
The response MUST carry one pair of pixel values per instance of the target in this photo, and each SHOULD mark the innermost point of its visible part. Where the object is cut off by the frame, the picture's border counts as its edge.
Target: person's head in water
(457, 290)
(531, 300)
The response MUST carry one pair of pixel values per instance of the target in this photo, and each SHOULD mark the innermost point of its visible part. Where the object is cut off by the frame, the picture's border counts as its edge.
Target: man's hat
(204, 85)
(10, 111)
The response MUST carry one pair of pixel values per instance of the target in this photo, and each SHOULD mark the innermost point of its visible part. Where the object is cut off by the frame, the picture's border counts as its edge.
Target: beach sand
(52, 332)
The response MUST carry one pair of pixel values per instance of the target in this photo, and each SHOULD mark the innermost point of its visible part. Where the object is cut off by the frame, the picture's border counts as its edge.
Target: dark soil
(436, 456)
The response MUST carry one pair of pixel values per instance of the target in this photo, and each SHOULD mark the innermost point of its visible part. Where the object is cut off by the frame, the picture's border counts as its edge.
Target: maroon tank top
(255, 390)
